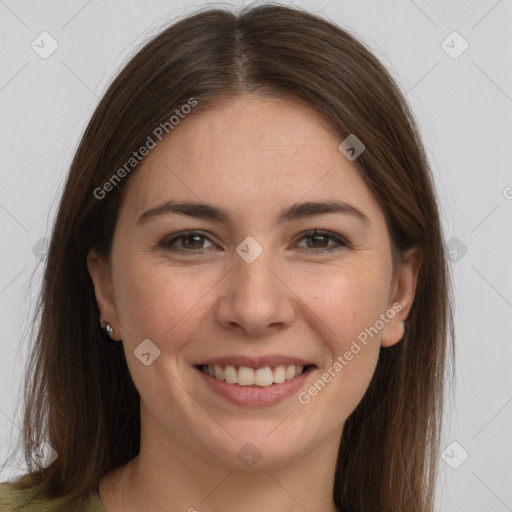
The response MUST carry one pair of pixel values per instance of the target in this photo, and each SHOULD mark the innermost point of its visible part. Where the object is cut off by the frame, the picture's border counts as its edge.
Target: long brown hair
(78, 393)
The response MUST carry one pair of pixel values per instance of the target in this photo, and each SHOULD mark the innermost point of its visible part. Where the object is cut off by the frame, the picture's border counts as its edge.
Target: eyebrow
(220, 215)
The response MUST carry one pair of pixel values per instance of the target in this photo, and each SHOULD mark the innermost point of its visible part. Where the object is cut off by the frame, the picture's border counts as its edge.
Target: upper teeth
(245, 376)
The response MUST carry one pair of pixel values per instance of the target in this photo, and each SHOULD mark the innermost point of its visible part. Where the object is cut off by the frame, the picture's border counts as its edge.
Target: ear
(101, 276)
(403, 290)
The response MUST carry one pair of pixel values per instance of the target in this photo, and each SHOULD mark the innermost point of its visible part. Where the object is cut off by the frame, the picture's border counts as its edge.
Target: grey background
(463, 105)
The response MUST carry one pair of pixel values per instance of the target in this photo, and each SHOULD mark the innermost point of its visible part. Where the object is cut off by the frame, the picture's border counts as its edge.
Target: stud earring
(109, 330)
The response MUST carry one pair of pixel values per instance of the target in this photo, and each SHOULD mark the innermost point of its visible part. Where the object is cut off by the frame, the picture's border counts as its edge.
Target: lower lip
(256, 395)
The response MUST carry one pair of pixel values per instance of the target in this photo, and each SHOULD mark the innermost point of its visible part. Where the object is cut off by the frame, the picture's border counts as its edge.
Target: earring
(109, 330)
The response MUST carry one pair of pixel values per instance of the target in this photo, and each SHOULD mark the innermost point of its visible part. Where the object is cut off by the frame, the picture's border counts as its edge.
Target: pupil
(188, 238)
(316, 238)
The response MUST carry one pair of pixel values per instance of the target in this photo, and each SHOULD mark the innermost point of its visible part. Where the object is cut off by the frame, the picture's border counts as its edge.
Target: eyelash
(341, 243)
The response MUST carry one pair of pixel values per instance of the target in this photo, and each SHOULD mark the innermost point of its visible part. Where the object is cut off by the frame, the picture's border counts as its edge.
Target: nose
(254, 297)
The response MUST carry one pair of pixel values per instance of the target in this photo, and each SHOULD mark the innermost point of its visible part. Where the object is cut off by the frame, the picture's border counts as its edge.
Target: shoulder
(18, 494)
(25, 495)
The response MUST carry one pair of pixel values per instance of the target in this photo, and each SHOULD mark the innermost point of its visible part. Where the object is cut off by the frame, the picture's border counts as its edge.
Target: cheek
(160, 302)
(165, 305)
(347, 304)
(345, 300)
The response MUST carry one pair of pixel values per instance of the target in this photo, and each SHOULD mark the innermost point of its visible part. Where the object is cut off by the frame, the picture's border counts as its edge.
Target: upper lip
(255, 362)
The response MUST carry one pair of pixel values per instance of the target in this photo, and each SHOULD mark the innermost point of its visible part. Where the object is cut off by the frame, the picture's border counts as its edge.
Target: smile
(246, 376)
(254, 387)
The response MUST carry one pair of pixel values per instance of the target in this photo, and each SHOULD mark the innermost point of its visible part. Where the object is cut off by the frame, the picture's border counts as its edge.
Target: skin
(252, 156)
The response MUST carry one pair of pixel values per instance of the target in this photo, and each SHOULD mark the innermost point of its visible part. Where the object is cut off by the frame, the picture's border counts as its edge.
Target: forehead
(250, 151)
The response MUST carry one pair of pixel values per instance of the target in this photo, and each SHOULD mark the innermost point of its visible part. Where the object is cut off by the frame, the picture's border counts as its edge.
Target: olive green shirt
(27, 498)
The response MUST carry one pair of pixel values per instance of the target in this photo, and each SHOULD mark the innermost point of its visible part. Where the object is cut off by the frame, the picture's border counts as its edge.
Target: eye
(188, 241)
(319, 240)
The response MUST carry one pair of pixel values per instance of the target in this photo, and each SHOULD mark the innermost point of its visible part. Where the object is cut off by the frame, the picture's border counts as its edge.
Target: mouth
(245, 376)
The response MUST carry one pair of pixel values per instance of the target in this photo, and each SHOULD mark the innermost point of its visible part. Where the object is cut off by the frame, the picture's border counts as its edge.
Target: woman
(245, 303)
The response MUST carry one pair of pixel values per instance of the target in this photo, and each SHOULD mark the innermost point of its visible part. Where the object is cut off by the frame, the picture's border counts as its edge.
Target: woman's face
(253, 281)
